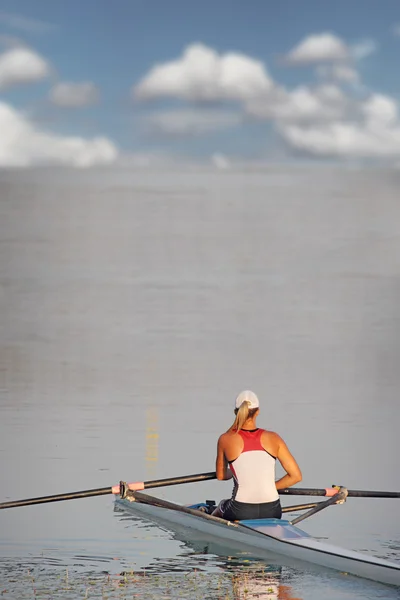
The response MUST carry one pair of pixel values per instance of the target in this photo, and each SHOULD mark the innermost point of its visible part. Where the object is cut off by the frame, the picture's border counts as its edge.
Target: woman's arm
(221, 466)
(293, 473)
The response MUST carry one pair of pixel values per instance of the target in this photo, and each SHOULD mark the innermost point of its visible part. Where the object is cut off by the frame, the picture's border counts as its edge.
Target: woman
(248, 454)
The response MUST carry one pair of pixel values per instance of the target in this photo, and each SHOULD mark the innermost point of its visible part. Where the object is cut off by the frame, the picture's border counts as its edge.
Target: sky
(97, 82)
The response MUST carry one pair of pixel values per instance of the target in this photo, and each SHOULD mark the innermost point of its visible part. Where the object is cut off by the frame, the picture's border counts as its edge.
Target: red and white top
(254, 471)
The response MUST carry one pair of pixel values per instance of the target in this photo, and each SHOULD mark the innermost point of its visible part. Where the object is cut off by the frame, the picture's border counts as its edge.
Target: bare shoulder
(272, 435)
(271, 442)
(224, 438)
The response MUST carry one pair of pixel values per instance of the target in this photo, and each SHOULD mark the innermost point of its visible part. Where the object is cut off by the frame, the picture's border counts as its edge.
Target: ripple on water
(188, 577)
(192, 572)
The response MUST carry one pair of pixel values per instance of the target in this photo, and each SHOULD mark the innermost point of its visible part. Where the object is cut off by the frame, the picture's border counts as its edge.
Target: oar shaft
(295, 507)
(109, 490)
(328, 492)
(57, 498)
(177, 480)
(372, 494)
(143, 485)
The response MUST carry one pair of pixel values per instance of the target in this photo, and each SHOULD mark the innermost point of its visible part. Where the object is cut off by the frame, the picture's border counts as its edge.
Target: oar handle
(327, 492)
(332, 491)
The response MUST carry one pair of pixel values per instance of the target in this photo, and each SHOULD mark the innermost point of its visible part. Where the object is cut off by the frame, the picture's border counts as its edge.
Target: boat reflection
(252, 587)
(247, 577)
(250, 577)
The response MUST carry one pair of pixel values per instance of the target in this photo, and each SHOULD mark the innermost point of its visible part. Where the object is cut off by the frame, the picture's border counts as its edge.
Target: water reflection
(246, 577)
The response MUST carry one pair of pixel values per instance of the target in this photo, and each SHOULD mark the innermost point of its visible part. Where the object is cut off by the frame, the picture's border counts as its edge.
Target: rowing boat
(258, 537)
(264, 537)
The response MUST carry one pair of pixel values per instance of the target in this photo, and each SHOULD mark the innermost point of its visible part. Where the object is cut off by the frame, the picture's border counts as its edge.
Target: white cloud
(74, 95)
(344, 140)
(376, 135)
(21, 65)
(26, 24)
(191, 122)
(302, 105)
(202, 74)
(363, 49)
(318, 48)
(23, 145)
(332, 119)
(380, 111)
(339, 72)
(332, 54)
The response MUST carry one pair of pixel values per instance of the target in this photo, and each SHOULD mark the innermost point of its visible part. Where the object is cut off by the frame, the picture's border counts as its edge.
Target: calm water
(134, 307)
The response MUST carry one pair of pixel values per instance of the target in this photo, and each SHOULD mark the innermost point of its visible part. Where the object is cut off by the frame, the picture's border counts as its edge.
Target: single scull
(263, 537)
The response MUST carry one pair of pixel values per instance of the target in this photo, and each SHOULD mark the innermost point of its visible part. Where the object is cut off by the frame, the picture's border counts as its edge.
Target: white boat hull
(268, 537)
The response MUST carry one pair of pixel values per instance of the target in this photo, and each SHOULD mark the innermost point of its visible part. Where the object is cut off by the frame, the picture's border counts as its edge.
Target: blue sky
(329, 86)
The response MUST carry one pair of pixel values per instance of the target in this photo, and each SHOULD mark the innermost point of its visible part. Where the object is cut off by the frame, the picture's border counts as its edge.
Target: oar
(328, 492)
(337, 498)
(115, 489)
(295, 507)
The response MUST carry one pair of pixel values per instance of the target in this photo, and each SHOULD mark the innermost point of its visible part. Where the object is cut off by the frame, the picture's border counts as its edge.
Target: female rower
(248, 454)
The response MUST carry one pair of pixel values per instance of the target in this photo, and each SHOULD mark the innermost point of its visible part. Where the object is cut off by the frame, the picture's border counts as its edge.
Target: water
(134, 307)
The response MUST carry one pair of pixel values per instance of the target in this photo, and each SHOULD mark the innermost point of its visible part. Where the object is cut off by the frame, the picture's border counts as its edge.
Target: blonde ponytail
(242, 414)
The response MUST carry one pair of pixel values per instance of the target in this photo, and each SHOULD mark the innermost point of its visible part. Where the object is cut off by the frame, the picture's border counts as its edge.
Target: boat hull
(269, 538)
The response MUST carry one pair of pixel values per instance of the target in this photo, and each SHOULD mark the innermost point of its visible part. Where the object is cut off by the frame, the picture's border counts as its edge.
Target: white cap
(247, 396)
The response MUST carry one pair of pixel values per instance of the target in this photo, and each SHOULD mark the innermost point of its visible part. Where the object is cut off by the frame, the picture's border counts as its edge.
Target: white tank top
(254, 471)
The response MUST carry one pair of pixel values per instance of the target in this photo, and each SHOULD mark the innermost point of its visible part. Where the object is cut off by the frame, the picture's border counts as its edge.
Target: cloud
(376, 135)
(74, 95)
(25, 24)
(332, 54)
(23, 145)
(396, 29)
(318, 48)
(339, 73)
(338, 118)
(203, 75)
(363, 49)
(20, 66)
(191, 122)
(301, 105)
(380, 110)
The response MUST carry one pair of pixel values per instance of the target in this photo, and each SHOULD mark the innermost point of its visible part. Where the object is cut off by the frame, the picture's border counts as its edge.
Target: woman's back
(253, 469)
